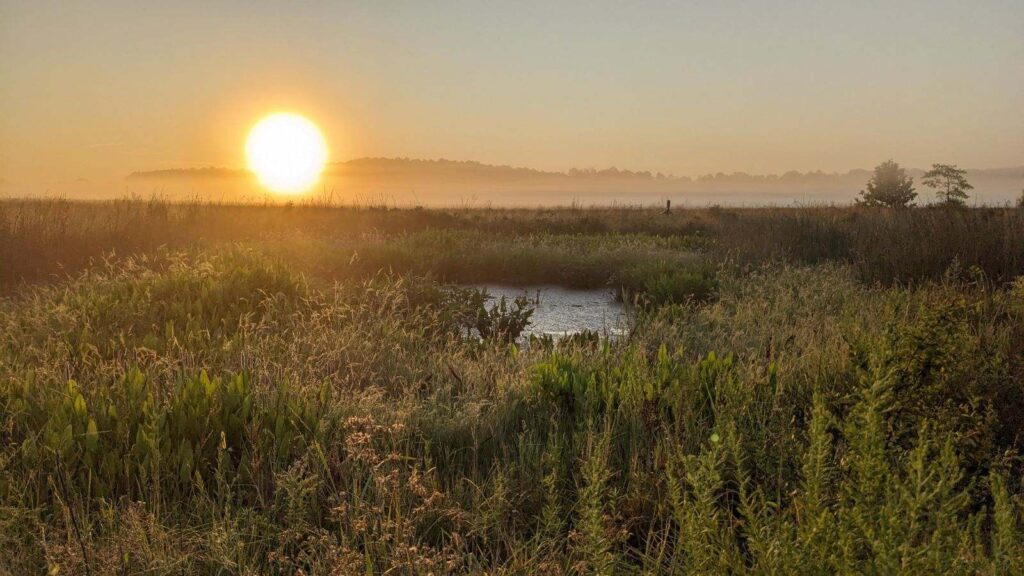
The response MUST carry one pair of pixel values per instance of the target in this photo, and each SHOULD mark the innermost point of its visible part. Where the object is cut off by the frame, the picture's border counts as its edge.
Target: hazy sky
(97, 89)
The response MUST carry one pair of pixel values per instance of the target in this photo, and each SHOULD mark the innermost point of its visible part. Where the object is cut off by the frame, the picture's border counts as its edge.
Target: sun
(286, 152)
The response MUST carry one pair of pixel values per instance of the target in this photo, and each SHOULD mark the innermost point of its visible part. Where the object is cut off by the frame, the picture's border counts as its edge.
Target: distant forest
(405, 181)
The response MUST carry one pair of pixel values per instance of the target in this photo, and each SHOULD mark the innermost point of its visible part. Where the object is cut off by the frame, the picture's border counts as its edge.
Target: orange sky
(95, 90)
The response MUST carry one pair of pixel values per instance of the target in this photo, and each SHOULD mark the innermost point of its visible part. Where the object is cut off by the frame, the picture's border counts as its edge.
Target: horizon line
(572, 172)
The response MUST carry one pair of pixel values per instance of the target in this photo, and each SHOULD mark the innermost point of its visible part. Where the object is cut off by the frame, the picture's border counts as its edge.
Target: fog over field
(408, 182)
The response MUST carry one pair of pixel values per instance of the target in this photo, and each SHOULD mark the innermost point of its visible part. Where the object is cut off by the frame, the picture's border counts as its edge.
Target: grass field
(218, 389)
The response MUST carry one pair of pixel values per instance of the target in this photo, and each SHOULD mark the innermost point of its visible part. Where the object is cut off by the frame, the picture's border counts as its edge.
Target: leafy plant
(503, 321)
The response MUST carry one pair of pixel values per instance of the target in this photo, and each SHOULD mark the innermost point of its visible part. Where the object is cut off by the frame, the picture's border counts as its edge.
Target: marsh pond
(560, 311)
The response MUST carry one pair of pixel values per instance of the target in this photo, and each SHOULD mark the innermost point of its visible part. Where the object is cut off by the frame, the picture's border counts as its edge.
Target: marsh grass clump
(301, 405)
(659, 282)
(475, 256)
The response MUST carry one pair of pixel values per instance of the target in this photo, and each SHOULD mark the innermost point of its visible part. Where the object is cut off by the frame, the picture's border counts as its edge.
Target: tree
(889, 186)
(950, 184)
(1020, 200)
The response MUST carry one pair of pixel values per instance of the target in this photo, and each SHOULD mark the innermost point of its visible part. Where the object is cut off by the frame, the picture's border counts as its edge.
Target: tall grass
(48, 239)
(214, 411)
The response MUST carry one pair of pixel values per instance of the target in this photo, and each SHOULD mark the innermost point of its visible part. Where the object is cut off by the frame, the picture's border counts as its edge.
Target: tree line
(891, 187)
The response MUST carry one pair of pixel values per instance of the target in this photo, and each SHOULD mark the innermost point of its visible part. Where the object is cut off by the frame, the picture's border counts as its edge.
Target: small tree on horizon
(950, 184)
(889, 187)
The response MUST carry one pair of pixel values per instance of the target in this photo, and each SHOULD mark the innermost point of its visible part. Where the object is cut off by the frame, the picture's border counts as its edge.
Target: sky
(93, 90)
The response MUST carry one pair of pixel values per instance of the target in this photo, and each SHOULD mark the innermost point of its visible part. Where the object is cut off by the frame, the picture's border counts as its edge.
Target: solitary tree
(950, 184)
(889, 186)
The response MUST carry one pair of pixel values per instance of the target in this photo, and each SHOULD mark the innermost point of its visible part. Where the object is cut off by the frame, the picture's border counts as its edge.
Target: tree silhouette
(950, 184)
(889, 187)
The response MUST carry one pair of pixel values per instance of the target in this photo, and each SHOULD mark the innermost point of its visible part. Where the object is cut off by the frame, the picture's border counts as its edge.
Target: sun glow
(286, 152)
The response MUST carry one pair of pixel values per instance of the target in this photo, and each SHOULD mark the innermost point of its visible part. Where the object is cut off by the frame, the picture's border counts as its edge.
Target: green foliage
(215, 412)
(950, 184)
(940, 370)
(659, 282)
(127, 440)
(889, 187)
(503, 321)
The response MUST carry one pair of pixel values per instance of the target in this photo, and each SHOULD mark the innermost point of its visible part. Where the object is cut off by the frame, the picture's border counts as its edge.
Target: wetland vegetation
(228, 389)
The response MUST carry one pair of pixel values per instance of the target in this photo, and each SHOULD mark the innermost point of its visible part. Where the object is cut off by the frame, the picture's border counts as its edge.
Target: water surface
(564, 311)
